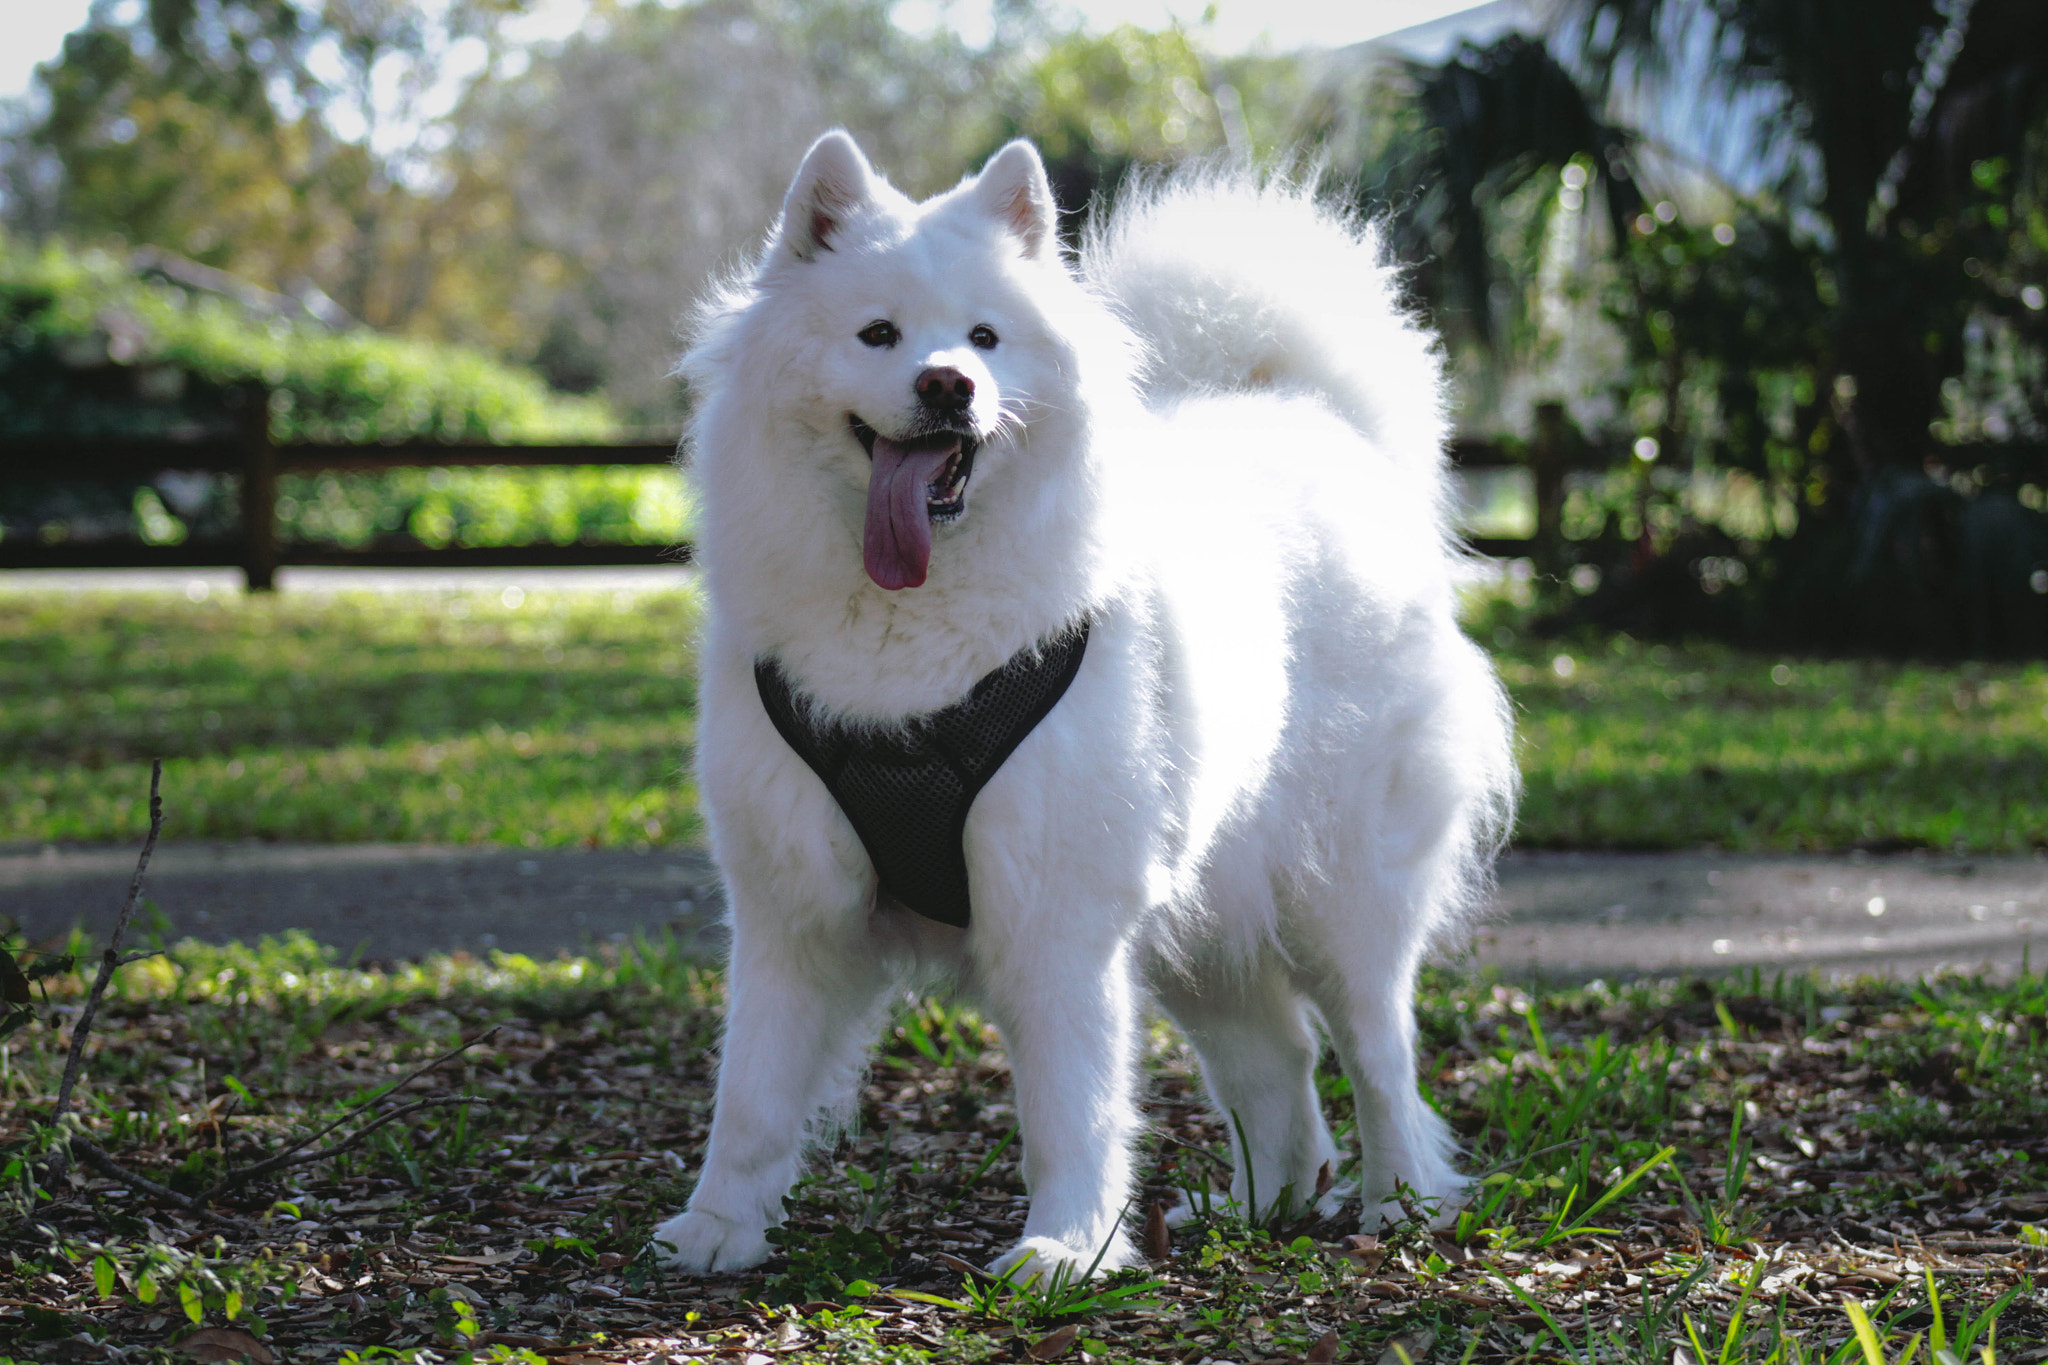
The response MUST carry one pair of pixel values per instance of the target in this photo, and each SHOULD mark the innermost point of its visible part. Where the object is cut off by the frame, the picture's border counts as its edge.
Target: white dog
(1184, 499)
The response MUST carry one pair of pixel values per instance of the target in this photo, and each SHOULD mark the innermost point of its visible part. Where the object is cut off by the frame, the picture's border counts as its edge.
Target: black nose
(944, 389)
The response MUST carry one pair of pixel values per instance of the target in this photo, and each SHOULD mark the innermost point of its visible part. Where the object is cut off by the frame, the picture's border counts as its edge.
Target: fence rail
(257, 461)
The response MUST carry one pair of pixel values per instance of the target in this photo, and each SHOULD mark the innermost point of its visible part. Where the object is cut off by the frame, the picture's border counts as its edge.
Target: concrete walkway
(1581, 915)
(1560, 916)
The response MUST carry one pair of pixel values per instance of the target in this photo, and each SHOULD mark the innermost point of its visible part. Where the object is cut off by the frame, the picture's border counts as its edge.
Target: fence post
(1550, 455)
(259, 491)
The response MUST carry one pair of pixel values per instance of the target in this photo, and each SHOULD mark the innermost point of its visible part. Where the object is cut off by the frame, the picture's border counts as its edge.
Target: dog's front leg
(1068, 1012)
(800, 1016)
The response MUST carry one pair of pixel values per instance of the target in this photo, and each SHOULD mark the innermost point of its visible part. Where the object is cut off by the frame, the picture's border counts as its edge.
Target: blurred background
(1745, 300)
(1744, 303)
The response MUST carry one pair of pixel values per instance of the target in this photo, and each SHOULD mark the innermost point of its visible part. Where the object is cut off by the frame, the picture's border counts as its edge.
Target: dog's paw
(1049, 1259)
(704, 1243)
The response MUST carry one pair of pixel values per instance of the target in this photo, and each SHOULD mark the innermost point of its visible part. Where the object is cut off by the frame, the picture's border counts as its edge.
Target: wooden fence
(257, 550)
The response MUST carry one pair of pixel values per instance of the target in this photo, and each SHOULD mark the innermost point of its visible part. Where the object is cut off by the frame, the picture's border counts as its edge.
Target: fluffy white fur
(1282, 770)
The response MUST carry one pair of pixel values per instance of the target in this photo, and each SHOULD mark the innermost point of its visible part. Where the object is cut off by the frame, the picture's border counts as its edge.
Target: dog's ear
(1013, 188)
(830, 186)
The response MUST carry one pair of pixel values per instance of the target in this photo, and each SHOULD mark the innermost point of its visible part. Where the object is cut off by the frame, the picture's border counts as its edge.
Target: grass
(1628, 745)
(1727, 1172)
(536, 719)
(552, 719)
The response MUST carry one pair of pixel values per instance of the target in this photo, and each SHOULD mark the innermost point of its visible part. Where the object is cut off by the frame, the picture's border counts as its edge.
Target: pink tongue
(897, 544)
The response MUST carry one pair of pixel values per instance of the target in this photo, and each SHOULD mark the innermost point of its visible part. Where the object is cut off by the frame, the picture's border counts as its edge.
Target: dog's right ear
(834, 181)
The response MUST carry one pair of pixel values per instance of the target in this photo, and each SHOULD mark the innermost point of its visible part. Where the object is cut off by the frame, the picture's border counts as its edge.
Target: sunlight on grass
(538, 719)
(548, 719)
(1657, 746)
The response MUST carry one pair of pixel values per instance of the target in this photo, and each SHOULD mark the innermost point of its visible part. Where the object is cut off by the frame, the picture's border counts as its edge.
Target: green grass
(566, 719)
(1722, 1166)
(1627, 745)
(458, 717)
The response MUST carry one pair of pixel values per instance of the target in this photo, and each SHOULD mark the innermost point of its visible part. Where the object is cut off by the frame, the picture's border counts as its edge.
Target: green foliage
(1101, 105)
(1024, 1294)
(295, 146)
(196, 1284)
(1823, 343)
(488, 506)
(1974, 1071)
(350, 386)
(841, 1262)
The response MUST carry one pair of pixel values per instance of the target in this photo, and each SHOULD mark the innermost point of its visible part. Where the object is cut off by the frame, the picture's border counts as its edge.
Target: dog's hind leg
(801, 1014)
(1258, 1052)
(1363, 983)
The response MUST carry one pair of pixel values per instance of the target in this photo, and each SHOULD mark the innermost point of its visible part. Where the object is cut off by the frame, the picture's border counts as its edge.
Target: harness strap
(907, 789)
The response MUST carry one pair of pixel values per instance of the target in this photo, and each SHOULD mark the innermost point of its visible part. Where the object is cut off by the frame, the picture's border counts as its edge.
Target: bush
(89, 347)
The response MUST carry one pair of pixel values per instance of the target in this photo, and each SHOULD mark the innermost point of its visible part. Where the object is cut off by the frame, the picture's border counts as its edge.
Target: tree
(290, 144)
(1099, 106)
(1875, 201)
(1873, 115)
(652, 149)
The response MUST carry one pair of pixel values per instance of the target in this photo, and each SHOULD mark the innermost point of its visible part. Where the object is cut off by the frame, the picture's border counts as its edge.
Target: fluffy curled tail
(1234, 281)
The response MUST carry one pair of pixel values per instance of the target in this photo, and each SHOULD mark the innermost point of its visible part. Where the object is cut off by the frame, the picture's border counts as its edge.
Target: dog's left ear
(1013, 189)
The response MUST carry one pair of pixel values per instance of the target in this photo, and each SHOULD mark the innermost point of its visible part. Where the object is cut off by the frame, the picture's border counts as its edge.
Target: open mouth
(913, 485)
(946, 487)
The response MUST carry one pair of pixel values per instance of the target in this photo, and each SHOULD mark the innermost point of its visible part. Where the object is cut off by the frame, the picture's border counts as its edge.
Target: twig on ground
(287, 1159)
(96, 1157)
(291, 1155)
(111, 958)
(1199, 1151)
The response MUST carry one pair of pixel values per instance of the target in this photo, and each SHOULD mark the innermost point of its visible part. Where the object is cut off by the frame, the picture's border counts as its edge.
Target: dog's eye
(983, 336)
(880, 333)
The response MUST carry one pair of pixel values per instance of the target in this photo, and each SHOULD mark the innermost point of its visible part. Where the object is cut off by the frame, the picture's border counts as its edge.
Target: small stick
(111, 958)
(282, 1158)
(295, 1157)
(96, 1157)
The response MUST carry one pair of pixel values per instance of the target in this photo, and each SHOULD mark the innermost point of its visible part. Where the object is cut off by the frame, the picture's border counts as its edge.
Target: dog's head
(919, 335)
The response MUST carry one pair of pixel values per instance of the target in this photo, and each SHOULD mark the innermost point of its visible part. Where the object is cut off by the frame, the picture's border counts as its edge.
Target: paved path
(1614, 915)
(1561, 915)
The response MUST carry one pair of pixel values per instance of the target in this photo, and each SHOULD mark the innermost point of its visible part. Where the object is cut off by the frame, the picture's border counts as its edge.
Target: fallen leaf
(1324, 1352)
(952, 1262)
(494, 1258)
(226, 1346)
(1410, 1348)
(1324, 1179)
(1158, 1237)
(1366, 1250)
(1053, 1345)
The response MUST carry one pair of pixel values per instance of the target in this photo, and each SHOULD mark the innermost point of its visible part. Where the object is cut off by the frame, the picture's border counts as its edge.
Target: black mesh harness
(906, 791)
